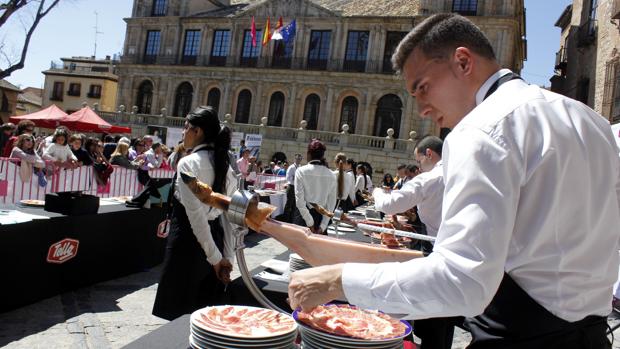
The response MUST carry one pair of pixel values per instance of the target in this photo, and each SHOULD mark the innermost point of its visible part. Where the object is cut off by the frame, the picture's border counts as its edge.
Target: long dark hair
(206, 118)
(340, 159)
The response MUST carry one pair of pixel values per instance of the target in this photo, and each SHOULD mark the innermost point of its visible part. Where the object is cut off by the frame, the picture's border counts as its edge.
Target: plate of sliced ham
(348, 322)
(235, 321)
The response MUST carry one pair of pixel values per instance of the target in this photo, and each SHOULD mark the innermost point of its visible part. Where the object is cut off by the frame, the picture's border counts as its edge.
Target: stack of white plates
(315, 339)
(296, 263)
(223, 332)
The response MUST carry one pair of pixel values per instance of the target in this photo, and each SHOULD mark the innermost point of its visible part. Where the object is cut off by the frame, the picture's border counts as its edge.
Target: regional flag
(267, 33)
(253, 32)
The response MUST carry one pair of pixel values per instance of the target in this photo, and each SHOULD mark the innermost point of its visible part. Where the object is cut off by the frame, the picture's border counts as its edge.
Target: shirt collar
(198, 147)
(487, 84)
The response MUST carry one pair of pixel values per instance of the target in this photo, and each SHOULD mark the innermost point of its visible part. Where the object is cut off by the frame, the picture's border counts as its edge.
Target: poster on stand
(173, 136)
(235, 143)
(253, 143)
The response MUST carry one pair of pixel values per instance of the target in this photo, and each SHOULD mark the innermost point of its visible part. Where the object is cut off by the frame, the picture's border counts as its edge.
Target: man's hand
(311, 287)
(223, 269)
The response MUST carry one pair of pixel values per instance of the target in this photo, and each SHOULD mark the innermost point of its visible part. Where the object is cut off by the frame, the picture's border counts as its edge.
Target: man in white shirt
(424, 190)
(527, 245)
(314, 184)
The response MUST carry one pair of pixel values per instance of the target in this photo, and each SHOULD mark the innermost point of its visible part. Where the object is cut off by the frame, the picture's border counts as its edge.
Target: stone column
(256, 109)
(196, 100)
(289, 117)
(365, 126)
(226, 100)
(325, 114)
(205, 45)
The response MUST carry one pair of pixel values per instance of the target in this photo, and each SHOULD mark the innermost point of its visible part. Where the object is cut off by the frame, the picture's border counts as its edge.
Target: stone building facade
(588, 62)
(179, 54)
(79, 80)
(8, 100)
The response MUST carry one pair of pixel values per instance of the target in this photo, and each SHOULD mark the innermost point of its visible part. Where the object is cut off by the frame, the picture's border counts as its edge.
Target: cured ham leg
(314, 249)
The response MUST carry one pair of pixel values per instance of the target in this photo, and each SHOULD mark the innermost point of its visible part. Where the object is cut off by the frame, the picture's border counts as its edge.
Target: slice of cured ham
(243, 322)
(350, 321)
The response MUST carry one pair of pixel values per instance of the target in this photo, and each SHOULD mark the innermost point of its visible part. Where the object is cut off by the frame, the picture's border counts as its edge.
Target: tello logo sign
(62, 251)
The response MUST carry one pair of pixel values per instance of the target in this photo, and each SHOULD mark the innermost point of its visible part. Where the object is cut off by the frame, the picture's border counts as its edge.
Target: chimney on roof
(107, 57)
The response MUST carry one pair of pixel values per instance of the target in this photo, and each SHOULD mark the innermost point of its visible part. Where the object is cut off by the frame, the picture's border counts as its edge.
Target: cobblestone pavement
(114, 313)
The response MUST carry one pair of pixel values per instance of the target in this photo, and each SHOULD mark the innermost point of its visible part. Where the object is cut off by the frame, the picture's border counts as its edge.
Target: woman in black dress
(200, 250)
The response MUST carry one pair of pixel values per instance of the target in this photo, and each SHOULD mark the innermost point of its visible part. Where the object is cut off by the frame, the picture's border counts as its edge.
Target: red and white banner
(62, 251)
(122, 182)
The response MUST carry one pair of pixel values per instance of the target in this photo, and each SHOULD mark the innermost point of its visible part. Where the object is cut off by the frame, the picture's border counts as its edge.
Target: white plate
(333, 233)
(196, 316)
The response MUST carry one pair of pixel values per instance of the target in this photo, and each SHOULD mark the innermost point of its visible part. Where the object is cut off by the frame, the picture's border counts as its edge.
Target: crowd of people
(42, 155)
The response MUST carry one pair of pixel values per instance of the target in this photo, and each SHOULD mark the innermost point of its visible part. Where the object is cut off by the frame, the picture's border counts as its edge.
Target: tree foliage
(9, 9)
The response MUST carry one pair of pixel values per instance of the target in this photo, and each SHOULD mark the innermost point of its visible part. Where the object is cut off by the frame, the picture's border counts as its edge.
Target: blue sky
(69, 31)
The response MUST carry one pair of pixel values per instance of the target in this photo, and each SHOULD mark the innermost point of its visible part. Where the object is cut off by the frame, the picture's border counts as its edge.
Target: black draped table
(45, 257)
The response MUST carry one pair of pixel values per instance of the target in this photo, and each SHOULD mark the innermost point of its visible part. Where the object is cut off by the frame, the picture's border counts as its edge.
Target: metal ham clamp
(245, 210)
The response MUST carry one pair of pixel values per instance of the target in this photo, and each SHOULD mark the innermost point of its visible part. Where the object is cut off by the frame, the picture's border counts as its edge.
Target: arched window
(183, 99)
(213, 98)
(145, 97)
(276, 109)
(389, 111)
(311, 111)
(348, 113)
(244, 102)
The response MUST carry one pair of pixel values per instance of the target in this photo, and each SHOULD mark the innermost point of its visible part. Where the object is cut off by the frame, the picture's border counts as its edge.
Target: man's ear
(464, 60)
(428, 152)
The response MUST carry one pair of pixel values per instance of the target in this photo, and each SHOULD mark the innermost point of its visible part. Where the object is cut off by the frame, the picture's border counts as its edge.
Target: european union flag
(288, 31)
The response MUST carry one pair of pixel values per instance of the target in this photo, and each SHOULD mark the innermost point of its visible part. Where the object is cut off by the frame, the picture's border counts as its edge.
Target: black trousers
(289, 207)
(317, 217)
(515, 320)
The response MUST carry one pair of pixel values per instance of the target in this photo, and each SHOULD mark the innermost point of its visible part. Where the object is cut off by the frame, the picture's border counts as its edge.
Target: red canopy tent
(86, 120)
(49, 117)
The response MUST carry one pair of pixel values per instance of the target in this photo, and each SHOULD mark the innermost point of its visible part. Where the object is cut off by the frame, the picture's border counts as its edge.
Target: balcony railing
(271, 132)
(586, 34)
(297, 63)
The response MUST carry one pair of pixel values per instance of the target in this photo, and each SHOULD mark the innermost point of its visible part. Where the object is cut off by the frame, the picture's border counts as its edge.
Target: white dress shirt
(200, 163)
(290, 174)
(152, 160)
(359, 183)
(424, 190)
(531, 188)
(314, 184)
(57, 152)
(349, 186)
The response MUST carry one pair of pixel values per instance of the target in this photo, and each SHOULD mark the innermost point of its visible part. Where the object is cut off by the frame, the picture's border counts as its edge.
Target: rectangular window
(151, 50)
(250, 53)
(465, 7)
(57, 91)
(356, 52)
(191, 46)
(391, 42)
(318, 52)
(159, 7)
(94, 91)
(74, 89)
(220, 48)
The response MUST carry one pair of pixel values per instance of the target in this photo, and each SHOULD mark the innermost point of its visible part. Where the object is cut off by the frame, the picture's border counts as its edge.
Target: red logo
(62, 251)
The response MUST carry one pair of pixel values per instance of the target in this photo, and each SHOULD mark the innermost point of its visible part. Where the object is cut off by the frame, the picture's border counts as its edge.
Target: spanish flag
(267, 33)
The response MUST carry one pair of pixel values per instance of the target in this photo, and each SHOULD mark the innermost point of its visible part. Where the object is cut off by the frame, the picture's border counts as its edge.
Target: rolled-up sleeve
(398, 201)
(197, 212)
(463, 273)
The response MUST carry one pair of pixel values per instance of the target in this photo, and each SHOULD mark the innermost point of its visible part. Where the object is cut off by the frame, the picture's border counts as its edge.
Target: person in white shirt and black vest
(314, 184)
(345, 184)
(527, 247)
(200, 248)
